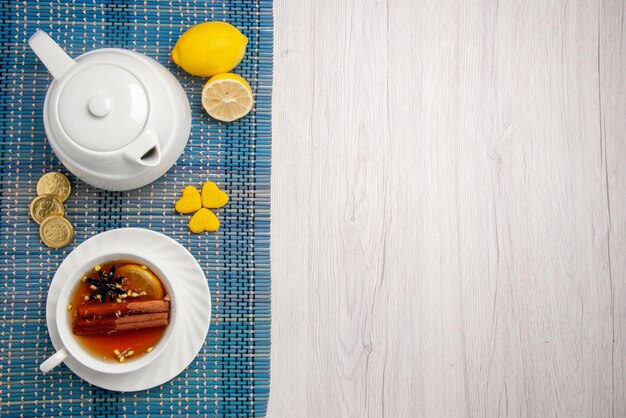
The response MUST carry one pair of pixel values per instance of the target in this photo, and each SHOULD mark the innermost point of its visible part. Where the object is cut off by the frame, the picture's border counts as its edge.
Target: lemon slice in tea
(139, 279)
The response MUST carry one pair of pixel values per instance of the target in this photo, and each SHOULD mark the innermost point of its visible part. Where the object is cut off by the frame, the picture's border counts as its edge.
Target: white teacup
(72, 348)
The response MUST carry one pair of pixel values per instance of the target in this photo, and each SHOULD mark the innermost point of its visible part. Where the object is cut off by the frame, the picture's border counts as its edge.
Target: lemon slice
(227, 97)
(140, 280)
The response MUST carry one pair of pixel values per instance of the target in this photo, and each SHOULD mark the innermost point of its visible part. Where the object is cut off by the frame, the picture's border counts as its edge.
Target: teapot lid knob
(99, 105)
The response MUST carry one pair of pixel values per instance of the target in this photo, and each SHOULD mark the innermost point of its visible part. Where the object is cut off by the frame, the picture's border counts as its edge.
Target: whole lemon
(210, 48)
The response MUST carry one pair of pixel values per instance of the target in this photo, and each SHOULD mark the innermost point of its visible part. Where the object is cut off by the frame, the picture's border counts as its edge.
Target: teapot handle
(144, 150)
(51, 54)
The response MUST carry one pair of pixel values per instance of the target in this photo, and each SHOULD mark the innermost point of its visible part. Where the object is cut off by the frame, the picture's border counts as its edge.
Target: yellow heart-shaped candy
(190, 201)
(212, 196)
(203, 220)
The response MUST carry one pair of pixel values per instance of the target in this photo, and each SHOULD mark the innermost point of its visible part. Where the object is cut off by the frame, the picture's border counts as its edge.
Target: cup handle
(53, 361)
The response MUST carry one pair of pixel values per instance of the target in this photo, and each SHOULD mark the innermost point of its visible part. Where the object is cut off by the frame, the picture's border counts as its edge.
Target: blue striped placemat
(230, 376)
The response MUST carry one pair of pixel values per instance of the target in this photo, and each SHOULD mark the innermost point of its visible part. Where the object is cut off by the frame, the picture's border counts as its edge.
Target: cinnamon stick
(92, 310)
(105, 325)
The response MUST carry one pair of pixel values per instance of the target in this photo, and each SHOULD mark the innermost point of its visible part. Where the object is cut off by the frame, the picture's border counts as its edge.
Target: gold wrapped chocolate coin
(55, 184)
(56, 232)
(45, 206)
(48, 210)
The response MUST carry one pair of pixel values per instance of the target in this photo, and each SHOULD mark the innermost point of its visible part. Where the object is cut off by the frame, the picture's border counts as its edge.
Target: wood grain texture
(449, 219)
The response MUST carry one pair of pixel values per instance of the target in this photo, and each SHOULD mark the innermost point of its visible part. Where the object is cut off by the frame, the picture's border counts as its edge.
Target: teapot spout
(145, 150)
(51, 54)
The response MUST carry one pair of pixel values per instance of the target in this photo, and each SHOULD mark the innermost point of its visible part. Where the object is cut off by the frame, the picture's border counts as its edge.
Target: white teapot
(115, 118)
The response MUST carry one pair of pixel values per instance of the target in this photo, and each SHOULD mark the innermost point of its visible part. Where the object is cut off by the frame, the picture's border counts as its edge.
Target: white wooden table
(449, 209)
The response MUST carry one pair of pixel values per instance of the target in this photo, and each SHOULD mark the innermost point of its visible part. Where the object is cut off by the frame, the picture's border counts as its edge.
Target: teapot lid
(102, 107)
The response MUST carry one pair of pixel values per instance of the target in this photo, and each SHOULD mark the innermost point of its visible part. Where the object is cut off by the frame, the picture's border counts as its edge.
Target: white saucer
(195, 310)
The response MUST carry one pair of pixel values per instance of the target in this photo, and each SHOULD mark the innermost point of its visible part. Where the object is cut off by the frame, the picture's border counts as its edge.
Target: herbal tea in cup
(119, 311)
(113, 305)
